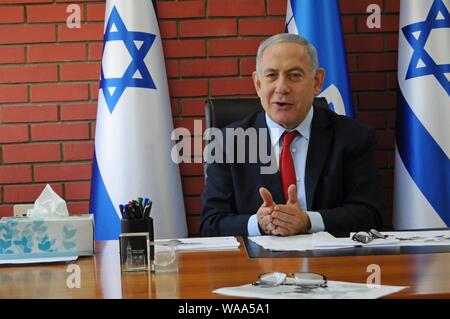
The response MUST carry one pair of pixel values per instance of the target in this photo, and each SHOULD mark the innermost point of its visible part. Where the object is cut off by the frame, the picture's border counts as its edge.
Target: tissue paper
(48, 204)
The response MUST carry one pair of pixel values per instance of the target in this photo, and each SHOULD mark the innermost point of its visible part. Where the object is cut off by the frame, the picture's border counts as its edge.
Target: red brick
(184, 88)
(15, 174)
(13, 133)
(247, 66)
(388, 181)
(48, 13)
(193, 186)
(27, 34)
(351, 63)
(276, 7)
(191, 169)
(57, 131)
(182, 9)
(208, 28)
(261, 26)
(359, 6)
(378, 100)
(236, 8)
(381, 159)
(206, 68)
(76, 1)
(59, 52)
(27, 153)
(77, 72)
(184, 48)
(75, 208)
(367, 81)
(78, 112)
(392, 82)
(391, 42)
(96, 12)
(59, 92)
(28, 113)
(31, 73)
(193, 205)
(348, 24)
(78, 151)
(25, 1)
(93, 90)
(392, 6)
(172, 68)
(62, 172)
(12, 14)
(6, 210)
(87, 32)
(378, 62)
(189, 124)
(373, 119)
(364, 43)
(13, 93)
(12, 54)
(385, 139)
(192, 107)
(193, 223)
(232, 86)
(26, 193)
(389, 23)
(95, 51)
(77, 191)
(233, 47)
(391, 118)
(174, 107)
(168, 29)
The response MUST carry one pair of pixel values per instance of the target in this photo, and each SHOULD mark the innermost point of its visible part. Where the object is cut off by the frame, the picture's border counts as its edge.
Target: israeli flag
(134, 124)
(422, 157)
(319, 21)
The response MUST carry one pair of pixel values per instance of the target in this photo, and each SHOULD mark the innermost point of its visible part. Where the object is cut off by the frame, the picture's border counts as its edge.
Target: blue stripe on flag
(319, 21)
(424, 159)
(106, 221)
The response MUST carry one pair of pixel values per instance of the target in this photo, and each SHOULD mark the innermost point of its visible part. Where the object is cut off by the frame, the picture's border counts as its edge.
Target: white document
(45, 260)
(326, 243)
(420, 238)
(335, 290)
(204, 243)
(295, 243)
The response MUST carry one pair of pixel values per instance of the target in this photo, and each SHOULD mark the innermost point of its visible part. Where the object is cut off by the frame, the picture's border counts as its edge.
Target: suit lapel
(271, 181)
(319, 143)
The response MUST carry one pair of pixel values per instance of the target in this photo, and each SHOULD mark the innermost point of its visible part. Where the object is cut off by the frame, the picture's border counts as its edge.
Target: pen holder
(136, 253)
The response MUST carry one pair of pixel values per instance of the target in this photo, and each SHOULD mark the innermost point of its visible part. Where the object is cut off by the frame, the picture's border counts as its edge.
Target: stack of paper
(331, 243)
(335, 290)
(204, 243)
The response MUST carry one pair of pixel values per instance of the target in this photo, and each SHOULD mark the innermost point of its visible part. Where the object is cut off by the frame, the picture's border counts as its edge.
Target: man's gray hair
(288, 38)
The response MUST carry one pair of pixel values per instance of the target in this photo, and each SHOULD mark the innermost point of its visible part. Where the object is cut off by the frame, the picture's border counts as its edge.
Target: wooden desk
(428, 275)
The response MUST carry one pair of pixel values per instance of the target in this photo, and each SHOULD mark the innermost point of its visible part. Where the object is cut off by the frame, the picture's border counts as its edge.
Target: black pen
(123, 211)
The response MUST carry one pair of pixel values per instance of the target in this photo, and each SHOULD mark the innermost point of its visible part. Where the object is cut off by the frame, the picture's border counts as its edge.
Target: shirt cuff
(252, 226)
(316, 222)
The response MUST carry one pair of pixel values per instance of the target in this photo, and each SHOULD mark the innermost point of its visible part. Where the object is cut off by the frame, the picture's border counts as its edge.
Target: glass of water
(165, 256)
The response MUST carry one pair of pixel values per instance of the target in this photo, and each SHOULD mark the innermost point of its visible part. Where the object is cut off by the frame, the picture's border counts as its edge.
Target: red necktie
(287, 169)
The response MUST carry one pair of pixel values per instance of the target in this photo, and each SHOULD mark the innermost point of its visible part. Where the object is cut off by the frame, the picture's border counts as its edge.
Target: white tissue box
(34, 237)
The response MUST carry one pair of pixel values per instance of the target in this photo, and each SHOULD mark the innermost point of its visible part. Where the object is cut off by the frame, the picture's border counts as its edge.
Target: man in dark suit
(327, 178)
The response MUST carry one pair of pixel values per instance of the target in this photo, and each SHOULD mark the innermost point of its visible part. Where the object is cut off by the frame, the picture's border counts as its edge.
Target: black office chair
(221, 112)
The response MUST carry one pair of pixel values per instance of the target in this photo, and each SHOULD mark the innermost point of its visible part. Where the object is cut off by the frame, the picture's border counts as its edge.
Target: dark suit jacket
(341, 180)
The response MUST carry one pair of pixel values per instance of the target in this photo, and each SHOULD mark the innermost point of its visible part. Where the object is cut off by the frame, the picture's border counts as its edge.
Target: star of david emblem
(136, 73)
(417, 34)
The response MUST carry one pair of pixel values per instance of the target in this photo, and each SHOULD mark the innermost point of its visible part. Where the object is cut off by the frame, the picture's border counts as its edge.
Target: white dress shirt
(299, 150)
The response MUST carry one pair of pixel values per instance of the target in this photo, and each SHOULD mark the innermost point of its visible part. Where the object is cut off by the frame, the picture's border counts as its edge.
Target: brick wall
(49, 84)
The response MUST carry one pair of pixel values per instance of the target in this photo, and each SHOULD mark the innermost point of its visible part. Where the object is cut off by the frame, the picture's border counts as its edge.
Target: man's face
(286, 85)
